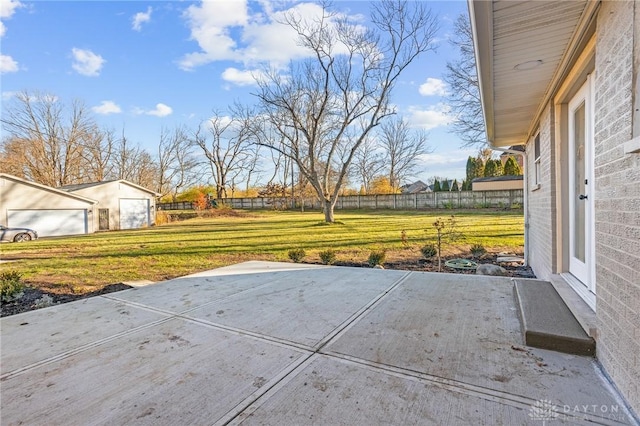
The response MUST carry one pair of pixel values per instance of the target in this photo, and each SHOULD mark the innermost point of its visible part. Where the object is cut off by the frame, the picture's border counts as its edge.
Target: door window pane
(579, 182)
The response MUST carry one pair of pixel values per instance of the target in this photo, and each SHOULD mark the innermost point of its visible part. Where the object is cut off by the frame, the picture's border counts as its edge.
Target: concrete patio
(287, 344)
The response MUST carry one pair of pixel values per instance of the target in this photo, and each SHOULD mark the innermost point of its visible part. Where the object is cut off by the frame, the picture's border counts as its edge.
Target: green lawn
(87, 263)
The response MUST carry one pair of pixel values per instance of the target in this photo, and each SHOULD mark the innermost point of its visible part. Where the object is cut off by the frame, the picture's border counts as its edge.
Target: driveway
(287, 344)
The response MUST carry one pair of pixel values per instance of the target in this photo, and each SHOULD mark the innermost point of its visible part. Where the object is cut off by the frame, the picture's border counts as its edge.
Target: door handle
(582, 197)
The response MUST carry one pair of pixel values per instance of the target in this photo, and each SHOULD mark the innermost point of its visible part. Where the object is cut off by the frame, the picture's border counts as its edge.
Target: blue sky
(144, 65)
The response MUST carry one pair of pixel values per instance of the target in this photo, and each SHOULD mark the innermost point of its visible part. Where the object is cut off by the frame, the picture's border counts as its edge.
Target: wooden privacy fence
(426, 200)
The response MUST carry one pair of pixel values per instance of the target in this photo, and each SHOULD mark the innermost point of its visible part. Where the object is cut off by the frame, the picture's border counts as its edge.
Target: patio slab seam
(249, 404)
(82, 348)
(493, 395)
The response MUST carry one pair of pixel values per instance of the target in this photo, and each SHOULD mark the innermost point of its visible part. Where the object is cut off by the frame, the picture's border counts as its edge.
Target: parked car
(17, 234)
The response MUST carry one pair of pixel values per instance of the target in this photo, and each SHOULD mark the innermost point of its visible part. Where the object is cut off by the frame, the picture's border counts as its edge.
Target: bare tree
(464, 93)
(367, 163)
(327, 105)
(402, 149)
(176, 163)
(12, 158)
(226, 142)
(133, 163)
(52, 137)
(98, 154)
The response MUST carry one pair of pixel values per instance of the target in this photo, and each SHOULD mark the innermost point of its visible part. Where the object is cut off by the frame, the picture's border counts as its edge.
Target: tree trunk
(328, 211)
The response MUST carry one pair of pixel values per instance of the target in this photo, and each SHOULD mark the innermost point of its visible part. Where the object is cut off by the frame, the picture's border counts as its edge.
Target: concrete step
(547, 322)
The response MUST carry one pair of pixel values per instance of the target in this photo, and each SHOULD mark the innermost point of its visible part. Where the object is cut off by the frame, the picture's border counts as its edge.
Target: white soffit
(523, 34)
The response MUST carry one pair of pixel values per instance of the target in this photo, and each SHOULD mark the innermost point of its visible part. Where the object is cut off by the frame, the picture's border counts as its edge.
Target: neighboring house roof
(47, 188)
(415, 187)
(71, 188)
(497, 178)
(522, 50)
(77, 187)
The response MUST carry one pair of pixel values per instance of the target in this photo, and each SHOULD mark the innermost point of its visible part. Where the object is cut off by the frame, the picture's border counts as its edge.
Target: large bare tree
(50, 137)
(464, 93)
(327, 105)
(176, 162)
(402, 149)
(227, 143)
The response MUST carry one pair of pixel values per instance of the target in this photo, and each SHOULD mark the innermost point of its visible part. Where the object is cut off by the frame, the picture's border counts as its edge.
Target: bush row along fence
(426, 200)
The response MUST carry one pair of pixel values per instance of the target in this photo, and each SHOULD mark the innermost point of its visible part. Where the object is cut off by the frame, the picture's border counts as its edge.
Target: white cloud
(257, 37)
(140, 18)
(430, 118)
(7, 64)
(86, 62)
(433, 87)
(7, 9)
(161, 110)
(106, 108)
(210, 25)
(241, 78)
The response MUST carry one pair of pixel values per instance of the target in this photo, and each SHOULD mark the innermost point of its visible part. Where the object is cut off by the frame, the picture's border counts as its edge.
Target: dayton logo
(543, 410)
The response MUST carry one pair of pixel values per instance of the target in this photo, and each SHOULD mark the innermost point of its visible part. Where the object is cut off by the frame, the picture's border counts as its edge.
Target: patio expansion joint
(253, 401)
(81, 349)
(493, 395)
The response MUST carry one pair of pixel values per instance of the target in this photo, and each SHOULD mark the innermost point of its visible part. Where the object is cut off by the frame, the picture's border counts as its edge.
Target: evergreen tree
(499, 168)
(478, 169)
(465, 185)
(436, 186)
(491, 169)
(512, 168)
(471, 168)
(445, 185)
(455, 187)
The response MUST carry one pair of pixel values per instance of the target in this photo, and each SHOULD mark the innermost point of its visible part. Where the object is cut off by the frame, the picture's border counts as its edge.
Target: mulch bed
(28, 301)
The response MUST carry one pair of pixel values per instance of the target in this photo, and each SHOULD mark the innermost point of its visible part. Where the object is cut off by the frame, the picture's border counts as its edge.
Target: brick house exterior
(571, 96)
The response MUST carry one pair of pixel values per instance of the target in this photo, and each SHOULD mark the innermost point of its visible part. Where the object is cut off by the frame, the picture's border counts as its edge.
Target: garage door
(49, 223)
(134, 213)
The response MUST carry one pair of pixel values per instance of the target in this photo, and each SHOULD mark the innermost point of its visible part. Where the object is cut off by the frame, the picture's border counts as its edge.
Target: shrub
(44, 302)
(162, 218)
(478, 250)
(297, 255)
(11, 287)
(429, 251)
(448, 205)
(377, 257)
(328, 257)
(404, 238)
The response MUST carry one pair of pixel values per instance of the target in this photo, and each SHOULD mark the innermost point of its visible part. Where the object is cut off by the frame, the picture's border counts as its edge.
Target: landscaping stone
(509, 259)
(488, 269)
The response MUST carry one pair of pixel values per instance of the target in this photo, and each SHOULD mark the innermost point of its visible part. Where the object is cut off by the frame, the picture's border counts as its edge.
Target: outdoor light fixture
(529, 65)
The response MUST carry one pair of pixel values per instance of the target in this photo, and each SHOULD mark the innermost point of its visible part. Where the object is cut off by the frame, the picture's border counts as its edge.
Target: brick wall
(541, 242)
(617, 204)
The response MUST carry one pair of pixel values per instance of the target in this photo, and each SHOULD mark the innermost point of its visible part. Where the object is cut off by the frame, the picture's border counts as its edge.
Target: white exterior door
(50, 223)
(134, 213)
(581, 191)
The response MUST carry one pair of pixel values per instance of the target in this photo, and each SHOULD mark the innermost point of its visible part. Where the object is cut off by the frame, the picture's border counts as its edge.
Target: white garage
(49, 223)
(121, 204)
(48, 211)
(134, 213)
